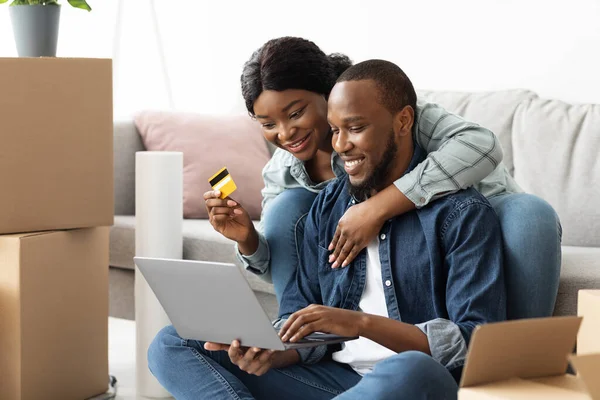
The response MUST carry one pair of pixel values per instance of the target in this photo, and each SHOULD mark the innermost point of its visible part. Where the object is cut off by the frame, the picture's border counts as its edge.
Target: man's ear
(403, 121)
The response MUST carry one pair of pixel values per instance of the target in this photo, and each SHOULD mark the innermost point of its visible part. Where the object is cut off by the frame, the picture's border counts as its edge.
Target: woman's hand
(318, 318)
(227, 217)
(357, 227)
(252, 360)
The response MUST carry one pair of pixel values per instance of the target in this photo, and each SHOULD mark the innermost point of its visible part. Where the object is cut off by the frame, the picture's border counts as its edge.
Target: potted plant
(35, 25)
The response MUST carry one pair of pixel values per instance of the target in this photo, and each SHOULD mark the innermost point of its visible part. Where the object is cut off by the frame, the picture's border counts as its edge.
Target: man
(414, 296)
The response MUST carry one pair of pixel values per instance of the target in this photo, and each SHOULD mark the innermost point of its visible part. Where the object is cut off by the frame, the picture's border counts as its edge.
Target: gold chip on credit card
(222, 181)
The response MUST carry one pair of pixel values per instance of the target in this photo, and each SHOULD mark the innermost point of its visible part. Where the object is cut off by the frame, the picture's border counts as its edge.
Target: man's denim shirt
(460, 154)
(441, 267)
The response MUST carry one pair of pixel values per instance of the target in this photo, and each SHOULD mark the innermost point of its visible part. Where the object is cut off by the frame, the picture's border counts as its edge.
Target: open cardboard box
(527, 359)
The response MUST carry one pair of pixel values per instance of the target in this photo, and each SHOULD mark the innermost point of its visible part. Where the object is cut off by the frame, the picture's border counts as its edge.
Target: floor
(121, 346)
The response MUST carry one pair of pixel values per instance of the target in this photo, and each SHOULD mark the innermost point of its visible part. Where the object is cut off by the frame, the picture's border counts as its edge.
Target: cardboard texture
(588, 307)
(54, 314)
(527, 359)
(56, 131)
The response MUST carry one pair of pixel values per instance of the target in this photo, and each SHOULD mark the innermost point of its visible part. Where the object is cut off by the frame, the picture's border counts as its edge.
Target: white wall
(551, 47)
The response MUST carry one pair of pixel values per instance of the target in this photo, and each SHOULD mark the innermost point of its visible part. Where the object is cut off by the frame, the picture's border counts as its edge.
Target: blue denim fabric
(189, 372)
(284, 230)
(442, 262)
(531, 234)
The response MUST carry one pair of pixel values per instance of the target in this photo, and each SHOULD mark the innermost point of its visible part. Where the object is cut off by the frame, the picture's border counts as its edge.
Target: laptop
(213, 302)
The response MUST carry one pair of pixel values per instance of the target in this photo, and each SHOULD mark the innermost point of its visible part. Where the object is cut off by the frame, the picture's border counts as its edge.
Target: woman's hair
(290, 63)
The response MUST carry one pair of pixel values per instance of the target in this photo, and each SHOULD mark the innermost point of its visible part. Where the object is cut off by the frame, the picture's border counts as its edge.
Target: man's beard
(378, 178)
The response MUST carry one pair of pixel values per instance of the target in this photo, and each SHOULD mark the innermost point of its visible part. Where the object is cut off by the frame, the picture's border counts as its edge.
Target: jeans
(531, 233)
(188, 371)
(283, 224)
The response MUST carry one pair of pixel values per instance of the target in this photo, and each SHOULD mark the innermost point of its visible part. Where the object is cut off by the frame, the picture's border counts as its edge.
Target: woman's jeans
(188, 371)
(530, 228)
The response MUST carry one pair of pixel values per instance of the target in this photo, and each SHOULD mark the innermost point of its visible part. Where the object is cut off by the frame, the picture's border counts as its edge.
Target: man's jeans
(188, 371)
(531, 233)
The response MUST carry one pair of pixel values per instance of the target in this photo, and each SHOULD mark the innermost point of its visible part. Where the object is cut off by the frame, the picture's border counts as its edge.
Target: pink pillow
(210, 143)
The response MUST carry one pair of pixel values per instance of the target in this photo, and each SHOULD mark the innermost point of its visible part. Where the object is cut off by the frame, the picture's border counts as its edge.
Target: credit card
(223, 181)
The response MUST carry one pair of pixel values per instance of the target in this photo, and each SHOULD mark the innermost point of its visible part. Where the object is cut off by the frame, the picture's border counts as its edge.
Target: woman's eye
(268, 126)
(296, 114)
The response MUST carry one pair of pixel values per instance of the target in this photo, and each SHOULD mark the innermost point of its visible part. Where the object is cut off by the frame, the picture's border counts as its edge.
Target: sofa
(551, 148)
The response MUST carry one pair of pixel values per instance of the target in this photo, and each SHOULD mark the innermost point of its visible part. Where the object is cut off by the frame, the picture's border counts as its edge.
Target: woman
(285, 85)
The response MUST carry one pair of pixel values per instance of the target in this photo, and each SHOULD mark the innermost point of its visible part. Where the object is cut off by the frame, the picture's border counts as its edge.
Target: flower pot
(35, 29)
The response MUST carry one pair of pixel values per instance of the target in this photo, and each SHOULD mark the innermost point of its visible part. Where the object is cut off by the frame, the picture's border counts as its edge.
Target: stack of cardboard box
(527, 359)
(56, 203)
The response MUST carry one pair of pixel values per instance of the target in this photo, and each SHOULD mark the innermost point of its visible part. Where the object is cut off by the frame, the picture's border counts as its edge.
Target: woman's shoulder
(277, 170)
(280, 159)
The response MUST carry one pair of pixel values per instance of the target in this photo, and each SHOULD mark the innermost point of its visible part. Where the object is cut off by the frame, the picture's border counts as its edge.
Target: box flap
(566, 381)
(519, 389)
(588, 368)
(528, 348)
(26, 234)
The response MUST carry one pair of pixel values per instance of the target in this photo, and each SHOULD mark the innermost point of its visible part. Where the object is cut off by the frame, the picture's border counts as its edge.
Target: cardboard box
(527, 359)
(56, 144)
(588, 307)
(54, 314)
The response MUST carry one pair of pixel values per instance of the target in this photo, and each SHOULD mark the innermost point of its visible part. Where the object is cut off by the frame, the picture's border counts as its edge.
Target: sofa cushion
(580, 270)
(556, 154)
(210, 143)
(200, 242)
(126, 142)
(492, 110)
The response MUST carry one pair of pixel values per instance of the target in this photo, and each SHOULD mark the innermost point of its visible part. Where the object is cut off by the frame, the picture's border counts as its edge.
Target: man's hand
(228, 218)
(357, 227)
(252, 360)
(318, 318)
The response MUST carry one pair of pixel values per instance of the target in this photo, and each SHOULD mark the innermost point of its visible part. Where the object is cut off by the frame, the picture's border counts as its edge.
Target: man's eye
(356, 129)
(334, 131)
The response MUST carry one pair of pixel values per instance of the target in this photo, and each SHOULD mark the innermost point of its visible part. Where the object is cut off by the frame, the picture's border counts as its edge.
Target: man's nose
(340, 142)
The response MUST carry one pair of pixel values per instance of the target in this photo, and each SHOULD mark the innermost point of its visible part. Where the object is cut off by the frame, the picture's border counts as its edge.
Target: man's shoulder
(455, 203)
(336, 192)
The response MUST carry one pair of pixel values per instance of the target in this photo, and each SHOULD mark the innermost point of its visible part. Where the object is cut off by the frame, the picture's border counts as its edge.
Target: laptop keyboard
(313, 337)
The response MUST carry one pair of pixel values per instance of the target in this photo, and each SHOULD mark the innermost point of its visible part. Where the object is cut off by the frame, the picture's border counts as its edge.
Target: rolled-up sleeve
(460, 154)
(258, 262)
(446, 342)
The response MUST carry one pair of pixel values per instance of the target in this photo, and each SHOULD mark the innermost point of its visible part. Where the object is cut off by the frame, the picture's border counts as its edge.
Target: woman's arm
(460, 154)
(255, 254)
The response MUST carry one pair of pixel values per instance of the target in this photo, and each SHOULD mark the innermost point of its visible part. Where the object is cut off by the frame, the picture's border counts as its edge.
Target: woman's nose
(286, 133)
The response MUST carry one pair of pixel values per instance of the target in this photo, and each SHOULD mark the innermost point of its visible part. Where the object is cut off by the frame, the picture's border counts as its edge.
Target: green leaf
(80, 4)
(3, 1)
(20, 3)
